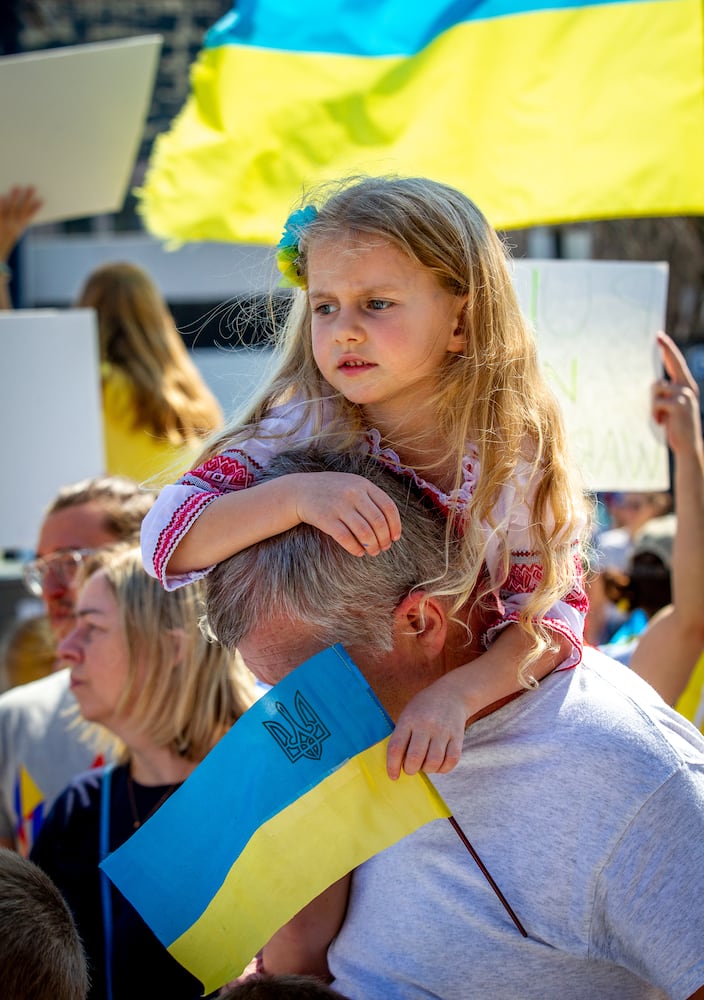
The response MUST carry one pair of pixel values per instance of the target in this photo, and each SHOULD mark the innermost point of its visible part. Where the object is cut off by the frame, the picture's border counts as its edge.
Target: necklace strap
(136, 820)
(105, 887)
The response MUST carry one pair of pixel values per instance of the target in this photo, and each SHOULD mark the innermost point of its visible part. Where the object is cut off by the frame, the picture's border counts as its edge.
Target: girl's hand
(357, 514)
(17, 209)
(676, 402)
(429, 732)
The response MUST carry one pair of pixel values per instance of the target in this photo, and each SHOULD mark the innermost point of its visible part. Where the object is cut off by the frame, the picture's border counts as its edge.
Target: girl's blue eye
(379, 304)
(324, 309)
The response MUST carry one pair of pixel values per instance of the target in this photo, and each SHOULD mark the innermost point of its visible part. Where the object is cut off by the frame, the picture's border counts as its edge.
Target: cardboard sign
(72, 121)
(596, 322)
(50, 412)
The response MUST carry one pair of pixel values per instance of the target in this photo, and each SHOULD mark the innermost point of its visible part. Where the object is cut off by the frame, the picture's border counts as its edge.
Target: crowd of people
(549, 679)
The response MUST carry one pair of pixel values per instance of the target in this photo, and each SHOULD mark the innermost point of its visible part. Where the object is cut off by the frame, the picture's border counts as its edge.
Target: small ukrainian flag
(291, 799)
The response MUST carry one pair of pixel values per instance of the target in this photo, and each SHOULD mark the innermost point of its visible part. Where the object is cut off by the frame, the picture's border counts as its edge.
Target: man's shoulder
(614, 699)
(605, 672)
(601, 722)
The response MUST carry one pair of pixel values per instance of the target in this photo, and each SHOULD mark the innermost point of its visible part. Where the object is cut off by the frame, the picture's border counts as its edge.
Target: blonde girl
(405, 340)
(157, 410)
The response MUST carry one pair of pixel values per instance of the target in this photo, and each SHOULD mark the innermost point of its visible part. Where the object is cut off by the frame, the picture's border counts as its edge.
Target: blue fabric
(365, 27)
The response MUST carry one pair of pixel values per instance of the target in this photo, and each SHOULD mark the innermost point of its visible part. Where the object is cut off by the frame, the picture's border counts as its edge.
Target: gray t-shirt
(40, 751)
(585, 801)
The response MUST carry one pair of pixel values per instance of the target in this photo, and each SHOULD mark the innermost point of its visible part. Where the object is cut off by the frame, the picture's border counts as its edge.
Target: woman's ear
(177, 641)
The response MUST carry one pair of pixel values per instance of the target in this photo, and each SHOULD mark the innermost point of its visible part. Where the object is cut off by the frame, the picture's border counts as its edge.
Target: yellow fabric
(30, 794)
(336, 826)
(691, 701)
(137, 452)
(549, 116)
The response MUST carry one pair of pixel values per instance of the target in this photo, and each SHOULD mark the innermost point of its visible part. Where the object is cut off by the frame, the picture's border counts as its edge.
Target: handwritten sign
(595, 322)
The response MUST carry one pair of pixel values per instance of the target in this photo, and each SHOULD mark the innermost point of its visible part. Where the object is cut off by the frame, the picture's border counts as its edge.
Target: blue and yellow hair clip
(287, 250)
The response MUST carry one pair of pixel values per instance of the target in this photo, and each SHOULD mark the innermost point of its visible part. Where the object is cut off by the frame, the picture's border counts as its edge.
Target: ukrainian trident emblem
(302, 737)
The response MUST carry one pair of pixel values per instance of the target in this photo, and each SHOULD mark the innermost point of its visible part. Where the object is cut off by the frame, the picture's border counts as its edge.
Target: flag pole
(487, 875)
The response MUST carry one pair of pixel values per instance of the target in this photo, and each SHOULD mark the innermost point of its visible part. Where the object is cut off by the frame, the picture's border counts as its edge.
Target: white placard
(50, 413)
(596, 322)
(72, 121)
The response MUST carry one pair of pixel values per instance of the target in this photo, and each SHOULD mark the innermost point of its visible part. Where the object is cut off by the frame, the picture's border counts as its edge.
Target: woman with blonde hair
(142, 670)
(157, 410)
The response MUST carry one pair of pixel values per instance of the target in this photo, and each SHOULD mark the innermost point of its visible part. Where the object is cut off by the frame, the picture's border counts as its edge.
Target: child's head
(41, 955)
(438, 228)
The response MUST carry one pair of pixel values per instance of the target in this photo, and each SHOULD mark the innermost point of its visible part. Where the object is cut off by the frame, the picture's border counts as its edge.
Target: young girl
(405, 339)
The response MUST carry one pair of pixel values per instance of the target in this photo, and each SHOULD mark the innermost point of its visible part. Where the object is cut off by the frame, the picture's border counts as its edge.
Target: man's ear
(422, 620)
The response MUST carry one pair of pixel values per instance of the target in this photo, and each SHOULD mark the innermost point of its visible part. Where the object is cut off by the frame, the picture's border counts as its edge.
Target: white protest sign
(595, 322)
(72, 121)
(50, 412)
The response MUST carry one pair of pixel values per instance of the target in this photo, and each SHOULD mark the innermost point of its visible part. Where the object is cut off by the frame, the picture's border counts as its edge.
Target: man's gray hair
(305, 576)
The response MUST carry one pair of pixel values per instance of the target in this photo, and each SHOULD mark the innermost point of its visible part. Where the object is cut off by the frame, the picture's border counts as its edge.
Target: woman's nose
(70, 648)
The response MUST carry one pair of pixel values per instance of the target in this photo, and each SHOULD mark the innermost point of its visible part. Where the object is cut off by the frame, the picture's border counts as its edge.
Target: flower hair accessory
(287, 251)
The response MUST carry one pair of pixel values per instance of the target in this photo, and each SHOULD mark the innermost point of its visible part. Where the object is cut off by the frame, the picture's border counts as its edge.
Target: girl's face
(381, 324)
(97, 653)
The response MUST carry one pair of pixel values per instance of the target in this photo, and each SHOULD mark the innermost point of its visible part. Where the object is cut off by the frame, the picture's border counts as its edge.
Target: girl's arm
(191, 527)
(349, 508)
(671, 645)
(430, 731)
(301, 945)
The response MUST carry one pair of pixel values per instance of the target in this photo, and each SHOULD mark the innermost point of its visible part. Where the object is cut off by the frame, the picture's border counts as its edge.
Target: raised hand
(17, 209)
(357, 514)
(675, 402)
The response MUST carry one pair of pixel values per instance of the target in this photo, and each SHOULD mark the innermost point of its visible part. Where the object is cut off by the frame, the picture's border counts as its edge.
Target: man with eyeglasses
(40, 749)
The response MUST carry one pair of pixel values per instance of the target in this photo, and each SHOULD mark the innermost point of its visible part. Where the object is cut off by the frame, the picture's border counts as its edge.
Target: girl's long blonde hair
(493, 395)
(138, 336)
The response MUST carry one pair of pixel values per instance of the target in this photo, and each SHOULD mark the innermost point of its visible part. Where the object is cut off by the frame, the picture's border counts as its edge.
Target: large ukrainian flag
(542, 111)
(293, 798)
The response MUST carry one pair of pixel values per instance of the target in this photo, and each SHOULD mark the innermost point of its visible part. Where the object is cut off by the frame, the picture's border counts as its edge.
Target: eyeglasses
(62, 565)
